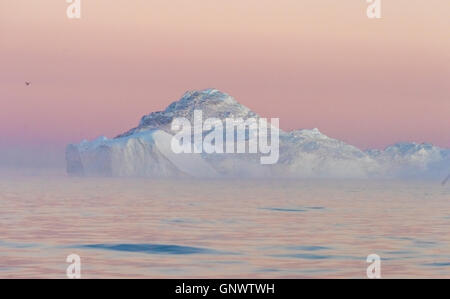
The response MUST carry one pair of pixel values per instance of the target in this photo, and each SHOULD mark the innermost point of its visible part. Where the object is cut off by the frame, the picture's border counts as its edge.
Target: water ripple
(443, 264)
(284, 210)
(151, 248)
(309, 248)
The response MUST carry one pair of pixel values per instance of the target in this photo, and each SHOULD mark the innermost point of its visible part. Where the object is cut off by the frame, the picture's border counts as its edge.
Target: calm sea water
(139, 228)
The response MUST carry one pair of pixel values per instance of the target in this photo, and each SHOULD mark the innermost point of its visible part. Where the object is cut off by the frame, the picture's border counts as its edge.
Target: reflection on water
(230, 229)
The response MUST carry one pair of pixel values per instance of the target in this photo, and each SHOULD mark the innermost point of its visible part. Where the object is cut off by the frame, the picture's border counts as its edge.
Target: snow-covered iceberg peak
(212, 103)
(210, 96)
(306, 133)
(410, 159)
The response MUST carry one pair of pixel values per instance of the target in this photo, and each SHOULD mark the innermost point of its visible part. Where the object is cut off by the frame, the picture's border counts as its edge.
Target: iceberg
(145, 151)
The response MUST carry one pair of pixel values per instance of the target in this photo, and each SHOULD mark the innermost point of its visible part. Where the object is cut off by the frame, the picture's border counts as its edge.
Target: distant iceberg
(145, 151)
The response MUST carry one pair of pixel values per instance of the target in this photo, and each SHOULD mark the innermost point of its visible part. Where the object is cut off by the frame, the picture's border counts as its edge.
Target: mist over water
(227, 228)
(32, 160)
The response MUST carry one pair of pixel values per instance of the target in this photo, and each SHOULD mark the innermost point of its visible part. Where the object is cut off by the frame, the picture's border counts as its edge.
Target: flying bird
(27, 83)
(446, 180)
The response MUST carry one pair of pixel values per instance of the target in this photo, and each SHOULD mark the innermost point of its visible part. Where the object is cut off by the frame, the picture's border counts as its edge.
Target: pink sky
(312, 63)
